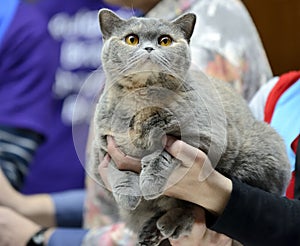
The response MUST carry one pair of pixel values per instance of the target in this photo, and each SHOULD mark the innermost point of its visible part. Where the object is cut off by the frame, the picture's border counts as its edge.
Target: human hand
(207, 187)
(192, 175)
(15, 230)
(122, 161)
(201, 235)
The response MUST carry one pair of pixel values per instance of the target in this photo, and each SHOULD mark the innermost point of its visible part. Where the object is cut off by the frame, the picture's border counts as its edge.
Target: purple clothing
(74, 26)
(25, 74)
(29, 58)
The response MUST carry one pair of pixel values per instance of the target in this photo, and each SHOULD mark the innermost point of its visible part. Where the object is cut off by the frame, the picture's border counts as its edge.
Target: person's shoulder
(27, 28)
(28, 17)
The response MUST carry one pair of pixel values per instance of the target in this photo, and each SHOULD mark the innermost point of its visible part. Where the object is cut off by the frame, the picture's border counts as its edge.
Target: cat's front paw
(156, 169)
(125, 187)
(149, 234)
(176, 222)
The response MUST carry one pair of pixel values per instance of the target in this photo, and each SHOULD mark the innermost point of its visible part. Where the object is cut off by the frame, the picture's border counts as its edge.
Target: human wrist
(38, 208)
(48, 235)
(40, 237)
(30, 230)
(214, 193)
(17, 202)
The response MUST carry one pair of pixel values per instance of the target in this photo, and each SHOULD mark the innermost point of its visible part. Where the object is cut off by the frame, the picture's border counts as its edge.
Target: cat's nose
(149, 49)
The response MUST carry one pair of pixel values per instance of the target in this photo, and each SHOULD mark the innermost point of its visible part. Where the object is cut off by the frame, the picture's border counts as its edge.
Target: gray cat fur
(150, 94)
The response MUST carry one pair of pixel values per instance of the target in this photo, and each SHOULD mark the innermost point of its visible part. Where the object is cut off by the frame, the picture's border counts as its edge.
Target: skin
(21, 216)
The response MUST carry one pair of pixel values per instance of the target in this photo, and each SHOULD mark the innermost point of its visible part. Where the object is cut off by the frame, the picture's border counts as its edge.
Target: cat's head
(145, 44)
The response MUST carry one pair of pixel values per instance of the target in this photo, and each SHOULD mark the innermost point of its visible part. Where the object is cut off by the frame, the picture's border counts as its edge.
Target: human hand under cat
(194, 160)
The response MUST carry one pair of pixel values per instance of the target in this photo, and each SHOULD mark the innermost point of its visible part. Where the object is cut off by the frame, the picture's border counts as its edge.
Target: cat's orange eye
(132, 39)
(165, 40)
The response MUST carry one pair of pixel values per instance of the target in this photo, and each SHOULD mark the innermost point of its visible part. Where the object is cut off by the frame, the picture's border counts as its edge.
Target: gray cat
(151, 91)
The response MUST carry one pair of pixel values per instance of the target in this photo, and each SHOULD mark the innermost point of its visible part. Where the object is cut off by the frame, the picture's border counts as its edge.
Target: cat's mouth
(149, 63)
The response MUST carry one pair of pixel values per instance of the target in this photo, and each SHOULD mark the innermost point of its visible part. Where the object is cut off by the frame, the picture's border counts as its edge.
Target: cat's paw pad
(175, 222)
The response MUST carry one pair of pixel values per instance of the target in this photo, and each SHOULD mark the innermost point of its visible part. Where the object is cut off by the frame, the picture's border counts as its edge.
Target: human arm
(16, 230)
(18, 148)
(199, 234)
(57, 209)
(27, 71)
(274, 220)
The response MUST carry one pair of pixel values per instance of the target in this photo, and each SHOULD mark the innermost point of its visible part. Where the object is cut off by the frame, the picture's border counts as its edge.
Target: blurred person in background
(74, 28)
(32, 134)
(276, 103)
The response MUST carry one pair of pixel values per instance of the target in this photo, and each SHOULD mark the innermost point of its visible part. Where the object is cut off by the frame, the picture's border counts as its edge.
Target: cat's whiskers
(165, 63)
(133, 61)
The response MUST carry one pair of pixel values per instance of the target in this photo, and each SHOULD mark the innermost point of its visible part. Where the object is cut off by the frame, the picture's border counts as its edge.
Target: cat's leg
(156, 169)
(261, 156)
(176, 222)
(124, 186)
(150, 235)
(171, 224)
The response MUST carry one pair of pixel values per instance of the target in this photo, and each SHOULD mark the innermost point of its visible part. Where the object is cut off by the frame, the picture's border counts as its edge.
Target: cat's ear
(186, 23)
(108, 20)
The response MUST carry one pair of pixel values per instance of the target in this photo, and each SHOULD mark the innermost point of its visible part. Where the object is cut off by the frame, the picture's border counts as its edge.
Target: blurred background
(278, 23)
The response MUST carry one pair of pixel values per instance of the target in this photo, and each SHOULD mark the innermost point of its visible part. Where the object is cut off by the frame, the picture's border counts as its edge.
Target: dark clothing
(256, 217)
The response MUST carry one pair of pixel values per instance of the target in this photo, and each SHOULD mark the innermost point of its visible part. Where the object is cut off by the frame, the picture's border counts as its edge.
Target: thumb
(103, 169)
(184, 152)
(189, 156)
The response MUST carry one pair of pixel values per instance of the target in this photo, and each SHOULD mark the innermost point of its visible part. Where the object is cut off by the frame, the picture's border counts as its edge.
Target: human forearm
(18, 147)
(63, 209)
(38, 208)
(274, 220)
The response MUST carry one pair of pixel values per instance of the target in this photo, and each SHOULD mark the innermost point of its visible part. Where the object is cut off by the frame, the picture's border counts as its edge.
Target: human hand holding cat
(123, 161)
(187, 176)
(210, 189)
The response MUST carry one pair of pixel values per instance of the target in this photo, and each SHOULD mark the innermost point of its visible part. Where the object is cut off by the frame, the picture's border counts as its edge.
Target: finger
(122, 161)
(184, 152)
(103, 170)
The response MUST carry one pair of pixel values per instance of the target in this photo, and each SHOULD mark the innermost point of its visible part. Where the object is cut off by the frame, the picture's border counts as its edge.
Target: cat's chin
(148, 66)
